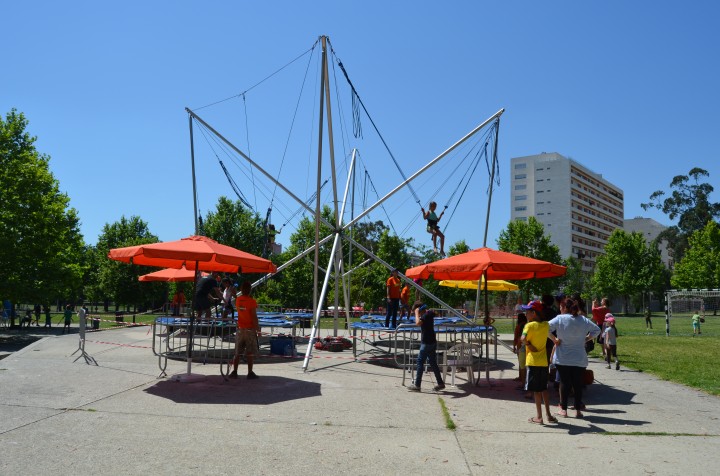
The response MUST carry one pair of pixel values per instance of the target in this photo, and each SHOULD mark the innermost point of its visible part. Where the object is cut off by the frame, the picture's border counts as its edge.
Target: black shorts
(537, 379)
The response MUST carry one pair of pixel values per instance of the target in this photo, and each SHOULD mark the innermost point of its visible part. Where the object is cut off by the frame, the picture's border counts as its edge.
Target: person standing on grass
(534, 337)
(696, 319)
(248, 329)
(648, 319)
(425, 319)
(392, 286)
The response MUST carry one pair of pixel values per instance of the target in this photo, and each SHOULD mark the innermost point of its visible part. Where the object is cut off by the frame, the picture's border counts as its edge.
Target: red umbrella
(170, 275)
(193, 252)
(488, 263)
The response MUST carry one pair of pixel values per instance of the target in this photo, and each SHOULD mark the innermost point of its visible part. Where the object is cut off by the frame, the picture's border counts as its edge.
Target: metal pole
(410, 281)
(348, 273)
(291, 261)
(254, 164)
(492, 179)
(318, 310)
(192, 164)
(423, 169)
(316, 305)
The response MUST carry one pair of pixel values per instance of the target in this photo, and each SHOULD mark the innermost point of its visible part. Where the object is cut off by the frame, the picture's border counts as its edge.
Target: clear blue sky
(628, 89)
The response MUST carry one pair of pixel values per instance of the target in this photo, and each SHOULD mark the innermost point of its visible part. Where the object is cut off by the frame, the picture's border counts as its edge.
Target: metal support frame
(335, 261)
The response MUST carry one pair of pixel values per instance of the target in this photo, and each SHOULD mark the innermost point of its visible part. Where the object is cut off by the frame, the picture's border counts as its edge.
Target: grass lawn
(679, 358)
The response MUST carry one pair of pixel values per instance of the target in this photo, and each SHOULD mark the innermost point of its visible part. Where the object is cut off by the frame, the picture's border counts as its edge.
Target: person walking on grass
(428, 343)
(610, 338)
(696, 320)
(534, 337)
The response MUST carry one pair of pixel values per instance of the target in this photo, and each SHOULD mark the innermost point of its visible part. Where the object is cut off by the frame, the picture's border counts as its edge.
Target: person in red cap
(534, 336)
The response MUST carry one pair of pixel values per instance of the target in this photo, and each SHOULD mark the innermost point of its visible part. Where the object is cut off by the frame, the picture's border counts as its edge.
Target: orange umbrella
(488, 263)
(193, 252)
(170, 275)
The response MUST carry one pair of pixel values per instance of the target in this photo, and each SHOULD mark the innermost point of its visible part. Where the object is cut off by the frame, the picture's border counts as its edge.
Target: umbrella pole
(189, 377)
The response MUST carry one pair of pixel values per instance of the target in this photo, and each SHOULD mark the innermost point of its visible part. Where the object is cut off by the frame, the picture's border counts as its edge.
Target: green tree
(119, 281)
(628, 267)
(234, 225)
(689, 203)
(576, 280)
(40, 241)
(700, 267)
(529, 239)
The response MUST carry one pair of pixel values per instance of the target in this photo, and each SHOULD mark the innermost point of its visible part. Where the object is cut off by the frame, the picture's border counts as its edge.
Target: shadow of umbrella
(216, 391)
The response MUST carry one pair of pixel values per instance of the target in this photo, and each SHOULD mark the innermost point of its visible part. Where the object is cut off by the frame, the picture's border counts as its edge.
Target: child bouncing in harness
(433, 228)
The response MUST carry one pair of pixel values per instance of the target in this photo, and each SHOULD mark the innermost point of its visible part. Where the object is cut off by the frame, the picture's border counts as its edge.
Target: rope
(292, 125)
(312, 48)
(360, 102)
(247, 137)
(232, 183)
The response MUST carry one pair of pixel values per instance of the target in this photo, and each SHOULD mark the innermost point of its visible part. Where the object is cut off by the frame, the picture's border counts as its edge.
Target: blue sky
(628, 89)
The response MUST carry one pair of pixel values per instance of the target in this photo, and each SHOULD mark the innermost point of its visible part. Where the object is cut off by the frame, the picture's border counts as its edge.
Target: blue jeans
(427, 351)
(392, 310)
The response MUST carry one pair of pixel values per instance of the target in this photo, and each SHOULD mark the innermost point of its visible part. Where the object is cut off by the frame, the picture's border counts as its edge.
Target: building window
(520, 187)
(520, 176)
(520, 209)
(520, 166)
(519, 198)
(521, 218)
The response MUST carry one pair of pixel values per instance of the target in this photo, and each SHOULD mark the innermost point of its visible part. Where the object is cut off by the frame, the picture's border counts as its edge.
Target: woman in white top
(572, 330)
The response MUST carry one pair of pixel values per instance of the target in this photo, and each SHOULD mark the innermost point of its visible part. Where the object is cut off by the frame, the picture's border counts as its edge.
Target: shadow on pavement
(215, 390)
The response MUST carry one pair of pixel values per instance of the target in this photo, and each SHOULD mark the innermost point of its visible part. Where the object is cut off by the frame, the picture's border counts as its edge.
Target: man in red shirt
(393, 298)
(248, 329)
(598, 313)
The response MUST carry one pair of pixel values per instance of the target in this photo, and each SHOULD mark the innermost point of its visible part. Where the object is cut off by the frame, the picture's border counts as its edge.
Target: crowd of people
(554, 336)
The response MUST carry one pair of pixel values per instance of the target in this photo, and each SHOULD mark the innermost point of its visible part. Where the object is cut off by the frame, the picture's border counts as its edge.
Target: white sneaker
(413, 388)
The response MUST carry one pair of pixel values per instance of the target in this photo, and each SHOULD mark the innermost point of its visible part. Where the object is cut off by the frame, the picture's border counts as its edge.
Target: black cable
(360, 101)
(261, 81)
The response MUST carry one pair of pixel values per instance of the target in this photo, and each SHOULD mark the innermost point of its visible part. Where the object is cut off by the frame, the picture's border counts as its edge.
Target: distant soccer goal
(683, 303)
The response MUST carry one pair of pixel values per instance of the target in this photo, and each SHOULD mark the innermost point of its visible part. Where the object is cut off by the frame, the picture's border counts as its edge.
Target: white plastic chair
(461, 355)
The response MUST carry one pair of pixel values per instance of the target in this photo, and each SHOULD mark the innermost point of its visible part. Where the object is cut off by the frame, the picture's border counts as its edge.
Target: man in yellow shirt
(535, 336)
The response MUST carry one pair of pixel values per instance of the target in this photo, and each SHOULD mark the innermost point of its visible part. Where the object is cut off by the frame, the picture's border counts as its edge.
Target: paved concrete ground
(61, 416)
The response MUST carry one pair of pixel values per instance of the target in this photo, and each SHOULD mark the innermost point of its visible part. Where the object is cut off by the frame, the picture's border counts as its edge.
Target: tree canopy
(628, 267)
(700, 266)
(689, 203)
(529, 239)
(41, 248)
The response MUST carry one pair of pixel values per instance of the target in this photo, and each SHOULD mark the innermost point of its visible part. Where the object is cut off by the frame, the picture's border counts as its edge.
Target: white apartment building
(578, 207)
(650, 229)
